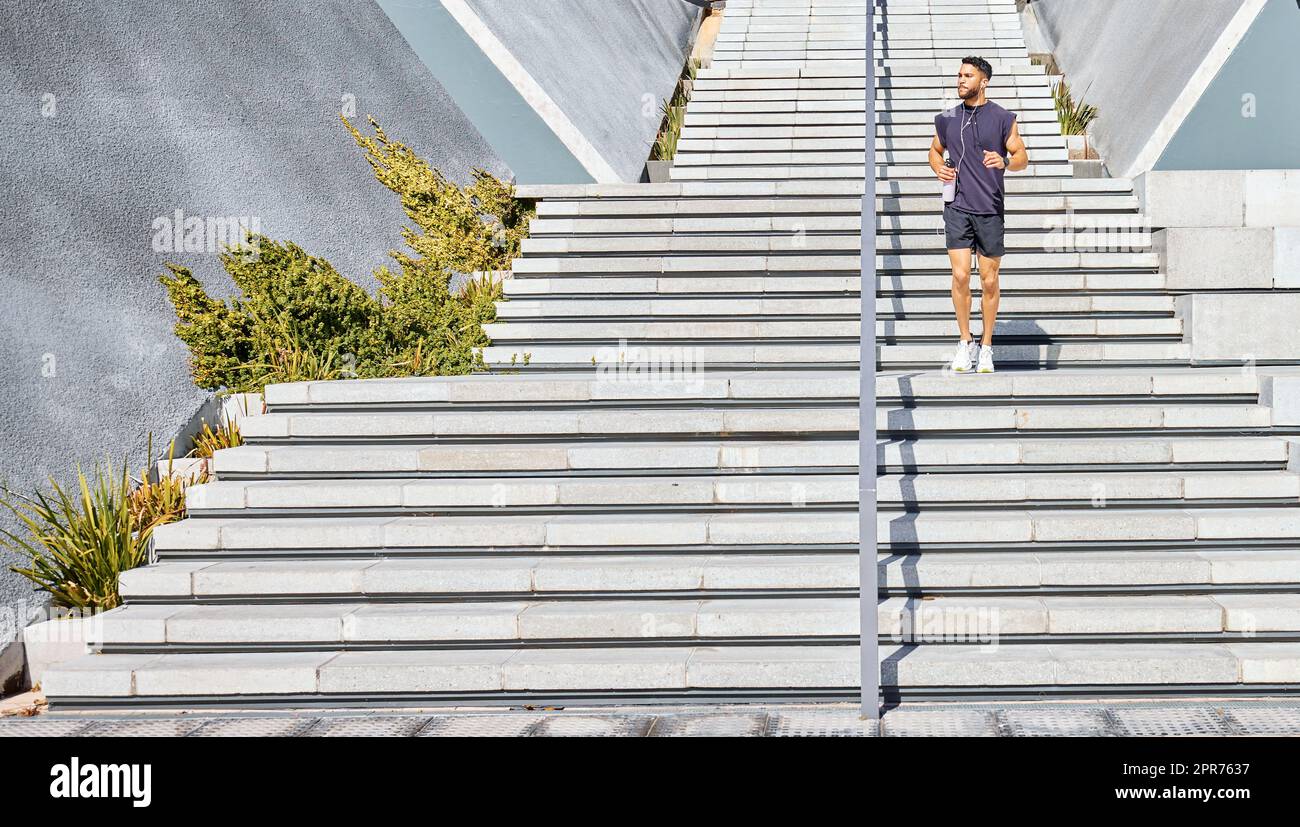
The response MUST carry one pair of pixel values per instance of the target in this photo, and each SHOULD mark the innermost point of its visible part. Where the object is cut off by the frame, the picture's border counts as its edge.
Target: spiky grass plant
(1073, 117)
(673, 111)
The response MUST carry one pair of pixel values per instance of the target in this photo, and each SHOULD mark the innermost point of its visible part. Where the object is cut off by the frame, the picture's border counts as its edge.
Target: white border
(532, 92)
(1215, 58)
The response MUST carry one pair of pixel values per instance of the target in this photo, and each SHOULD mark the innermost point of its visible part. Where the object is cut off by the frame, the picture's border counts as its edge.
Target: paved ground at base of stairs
(1215, 717)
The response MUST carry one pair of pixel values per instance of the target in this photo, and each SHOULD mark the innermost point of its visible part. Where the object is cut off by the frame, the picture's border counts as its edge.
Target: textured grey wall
(607, 65)
(117, 114)
(1132, 58)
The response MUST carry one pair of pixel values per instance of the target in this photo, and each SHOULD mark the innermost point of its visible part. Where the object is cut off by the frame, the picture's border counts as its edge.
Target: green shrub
(290, 302)
(464, 230)
(297, 318)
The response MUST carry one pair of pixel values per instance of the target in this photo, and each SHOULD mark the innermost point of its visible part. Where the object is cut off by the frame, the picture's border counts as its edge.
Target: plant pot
(1076, 147)
(186, 468)
(237, 406)
(658, 171)
(1081, 148)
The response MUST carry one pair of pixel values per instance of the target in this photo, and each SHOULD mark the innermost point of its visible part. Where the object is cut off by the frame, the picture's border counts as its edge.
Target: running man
(978, 136)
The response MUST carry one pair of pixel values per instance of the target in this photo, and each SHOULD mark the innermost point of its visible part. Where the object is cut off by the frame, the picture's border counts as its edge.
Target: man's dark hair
(981, 64)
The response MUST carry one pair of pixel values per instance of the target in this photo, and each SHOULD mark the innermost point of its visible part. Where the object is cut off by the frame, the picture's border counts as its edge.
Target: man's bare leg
(960, 260)
(990, 294)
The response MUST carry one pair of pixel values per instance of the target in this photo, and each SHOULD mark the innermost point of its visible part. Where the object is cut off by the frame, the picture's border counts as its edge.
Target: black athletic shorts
(984, 233)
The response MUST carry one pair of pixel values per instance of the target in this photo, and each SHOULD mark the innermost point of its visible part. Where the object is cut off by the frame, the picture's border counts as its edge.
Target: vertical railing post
(867, 577)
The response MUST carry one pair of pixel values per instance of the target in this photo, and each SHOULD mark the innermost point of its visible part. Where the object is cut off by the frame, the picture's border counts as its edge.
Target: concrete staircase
(654, 496)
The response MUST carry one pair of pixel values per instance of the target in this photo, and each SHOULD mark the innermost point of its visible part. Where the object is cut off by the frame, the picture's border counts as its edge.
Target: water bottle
(949, 187)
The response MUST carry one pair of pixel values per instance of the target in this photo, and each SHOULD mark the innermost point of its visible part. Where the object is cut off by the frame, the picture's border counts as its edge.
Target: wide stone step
(1092, 306)
(813, 671)
(800, 241)
(887, 86)
(793, 261)
(920, 143)
(690, 355)
(847, 195)
(664, 332)
(627, 494)
(811, 42)
(434, 392)
(757, 17)
(746, 27)
(714, 421)
(934, 621)
(838, 63)
(824, 8)
(884, 57)
(821, 8)
(822, 113)
(795, 172)
(1137, 570)
(943, 30)
(1029, 94)
(851, 98)
(901, 284)
(484, 577)
(741, 457)
(730, 50)
(891, 160)
(915, 37)
(800, 57)
(845, 106)
(746, 23)
(946, 69)
(1026, 210)
(833, 125)
(1034, 134)
(800, 34)
(840, 101)
(553, 533)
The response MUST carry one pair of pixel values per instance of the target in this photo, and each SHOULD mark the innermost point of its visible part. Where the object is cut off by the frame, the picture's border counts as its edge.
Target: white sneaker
(986, 359)
(963, 359)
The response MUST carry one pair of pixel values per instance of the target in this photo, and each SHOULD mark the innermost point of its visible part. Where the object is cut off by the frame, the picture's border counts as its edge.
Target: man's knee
(989, 274)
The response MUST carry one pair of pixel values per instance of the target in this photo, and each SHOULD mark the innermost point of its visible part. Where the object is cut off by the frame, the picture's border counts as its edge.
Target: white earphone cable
(969, 121)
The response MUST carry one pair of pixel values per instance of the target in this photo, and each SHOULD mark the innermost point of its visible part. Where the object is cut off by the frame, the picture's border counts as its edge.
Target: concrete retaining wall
(1241, 328)
(1227, 258)
(1220, 198)
(1226, 231)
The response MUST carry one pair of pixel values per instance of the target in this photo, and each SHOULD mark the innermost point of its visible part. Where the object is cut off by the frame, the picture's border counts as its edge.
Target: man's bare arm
(936, 161)
(1016, 149)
